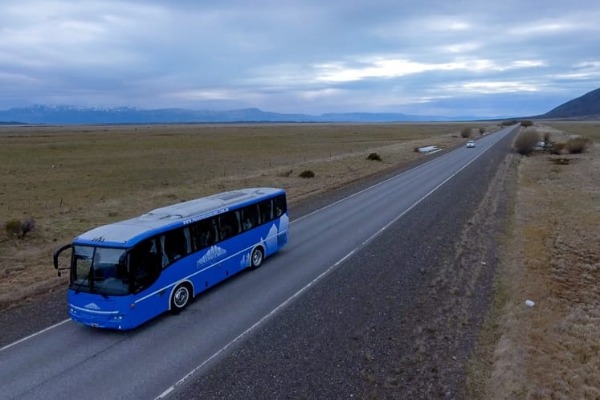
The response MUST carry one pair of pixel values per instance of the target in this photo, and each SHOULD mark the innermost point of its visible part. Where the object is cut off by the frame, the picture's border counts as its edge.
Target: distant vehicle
(471, 143)
(126, 273)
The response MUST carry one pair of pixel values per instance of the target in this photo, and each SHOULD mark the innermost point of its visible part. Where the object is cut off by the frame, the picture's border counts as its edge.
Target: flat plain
(70, 179)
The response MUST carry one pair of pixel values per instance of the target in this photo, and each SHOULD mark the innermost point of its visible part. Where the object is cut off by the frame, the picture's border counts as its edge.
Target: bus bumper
(100, 319)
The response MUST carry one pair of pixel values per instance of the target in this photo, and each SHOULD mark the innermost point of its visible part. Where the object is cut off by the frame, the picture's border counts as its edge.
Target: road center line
(34, 335)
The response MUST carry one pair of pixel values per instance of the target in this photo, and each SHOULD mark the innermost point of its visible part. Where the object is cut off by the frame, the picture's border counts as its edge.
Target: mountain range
(41, 114)
(584, 107)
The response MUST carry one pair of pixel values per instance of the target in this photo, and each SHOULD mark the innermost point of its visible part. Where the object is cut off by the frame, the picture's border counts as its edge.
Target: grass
(73, 178)
(551, 256)
(588, 129)
(70, 179)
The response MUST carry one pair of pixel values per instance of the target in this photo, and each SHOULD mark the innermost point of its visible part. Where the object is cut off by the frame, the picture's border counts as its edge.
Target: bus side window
(280, 206)
(204, 234)
(249, 217)
(266, 211)
(175, 245)
(229, 225)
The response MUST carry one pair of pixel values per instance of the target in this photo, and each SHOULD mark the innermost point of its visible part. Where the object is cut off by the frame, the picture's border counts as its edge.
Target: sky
(445, 58)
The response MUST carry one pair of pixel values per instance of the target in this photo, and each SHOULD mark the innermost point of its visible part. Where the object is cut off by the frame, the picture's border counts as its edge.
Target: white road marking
(33, 335)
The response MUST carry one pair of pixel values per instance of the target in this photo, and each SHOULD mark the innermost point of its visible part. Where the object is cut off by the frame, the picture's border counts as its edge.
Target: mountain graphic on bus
(212, 254)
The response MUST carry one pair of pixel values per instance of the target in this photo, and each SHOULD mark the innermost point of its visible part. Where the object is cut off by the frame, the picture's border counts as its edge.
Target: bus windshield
(100, 270)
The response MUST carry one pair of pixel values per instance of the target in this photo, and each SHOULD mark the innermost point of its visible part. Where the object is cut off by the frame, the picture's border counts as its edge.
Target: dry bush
(466, 132)
(526, 123)
(558, 148)
(526, 141)
(578, 145)
(12, 227)
(547, 136)
(307, 174)
(19, 228)
(374, 157)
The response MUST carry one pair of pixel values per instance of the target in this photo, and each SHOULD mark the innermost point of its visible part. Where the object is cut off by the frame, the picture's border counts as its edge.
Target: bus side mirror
(55, 258)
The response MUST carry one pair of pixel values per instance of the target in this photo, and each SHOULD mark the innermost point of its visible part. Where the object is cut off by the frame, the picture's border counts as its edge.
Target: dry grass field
(551, 257)
(71, 178)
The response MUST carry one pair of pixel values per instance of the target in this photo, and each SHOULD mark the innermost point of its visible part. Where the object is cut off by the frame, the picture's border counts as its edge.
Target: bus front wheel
(181, 298)
(256, 258)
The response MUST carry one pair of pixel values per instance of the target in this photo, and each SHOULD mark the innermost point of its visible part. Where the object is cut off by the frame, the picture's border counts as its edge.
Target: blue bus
(125, 273)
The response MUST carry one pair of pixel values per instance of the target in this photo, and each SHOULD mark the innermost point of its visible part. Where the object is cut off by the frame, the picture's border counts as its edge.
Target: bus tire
(257, 257)
(182, 295)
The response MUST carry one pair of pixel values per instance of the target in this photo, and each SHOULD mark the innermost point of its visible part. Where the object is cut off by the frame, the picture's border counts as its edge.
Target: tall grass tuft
(578, 145)
(374, 157)
(526, 141)
(307, 174)
(19, 228)
(558, 148)
(526, 123)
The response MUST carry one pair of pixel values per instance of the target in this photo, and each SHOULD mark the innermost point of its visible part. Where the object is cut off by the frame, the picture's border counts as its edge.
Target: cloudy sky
(438, 57)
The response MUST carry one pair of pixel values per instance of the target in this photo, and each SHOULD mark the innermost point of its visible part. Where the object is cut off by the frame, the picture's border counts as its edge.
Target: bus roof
(128, 232)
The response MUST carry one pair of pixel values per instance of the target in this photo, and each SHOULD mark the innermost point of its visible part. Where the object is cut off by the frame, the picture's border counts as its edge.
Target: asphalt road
(164, 357)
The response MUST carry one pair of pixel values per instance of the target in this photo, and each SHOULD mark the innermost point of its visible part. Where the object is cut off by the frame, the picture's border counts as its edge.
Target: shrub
(12, 227)
(578, 145)
(18, 228)
(466, 132)
(374, 157)
(558, 148)
(307, 174)
(526, 124)
(27, 225)
(481, 131)
(547, 137)
(526, 141)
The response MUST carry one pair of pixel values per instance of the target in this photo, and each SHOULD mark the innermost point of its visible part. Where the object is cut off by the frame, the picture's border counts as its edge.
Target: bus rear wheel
(256, 258)
(181, 298)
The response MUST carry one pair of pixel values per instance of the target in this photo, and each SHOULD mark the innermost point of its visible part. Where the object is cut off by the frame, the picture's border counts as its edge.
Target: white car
(471, 143)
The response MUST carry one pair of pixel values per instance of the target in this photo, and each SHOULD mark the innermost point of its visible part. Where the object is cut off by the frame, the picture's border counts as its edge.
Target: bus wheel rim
(181, 296)
(256, 257)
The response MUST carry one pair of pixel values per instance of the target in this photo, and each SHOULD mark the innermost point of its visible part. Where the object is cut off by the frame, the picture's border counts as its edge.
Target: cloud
(487, 87)
(297, 56)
